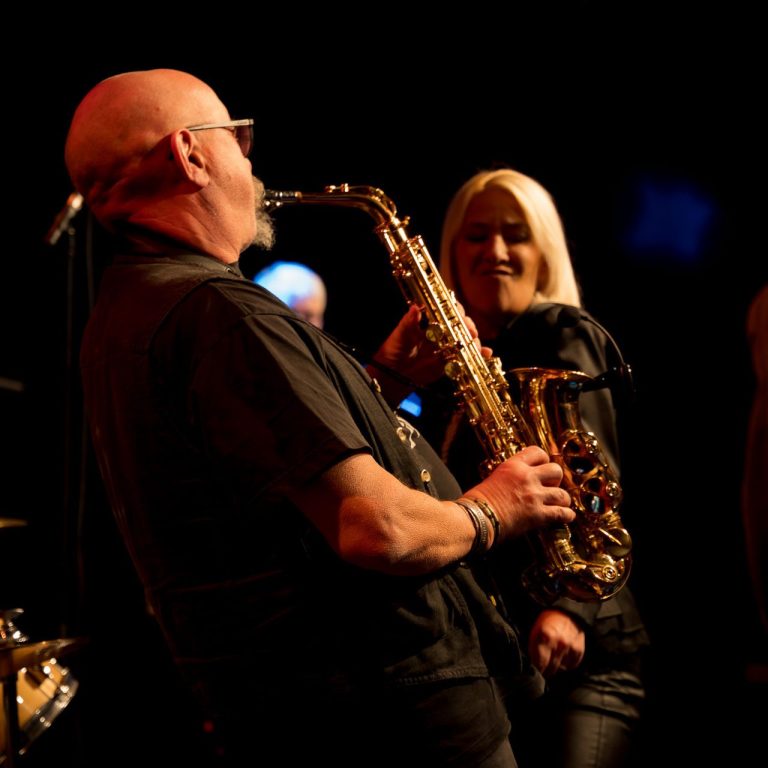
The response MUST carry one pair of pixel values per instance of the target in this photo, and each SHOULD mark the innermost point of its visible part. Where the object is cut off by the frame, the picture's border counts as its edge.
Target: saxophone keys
(434, 333)
(609, 573)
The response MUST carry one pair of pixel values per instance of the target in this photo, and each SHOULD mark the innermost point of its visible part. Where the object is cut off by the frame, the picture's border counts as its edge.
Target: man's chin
(265, 231)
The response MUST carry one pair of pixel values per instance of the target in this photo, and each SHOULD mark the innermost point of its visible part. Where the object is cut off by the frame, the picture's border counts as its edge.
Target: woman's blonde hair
(543, 220)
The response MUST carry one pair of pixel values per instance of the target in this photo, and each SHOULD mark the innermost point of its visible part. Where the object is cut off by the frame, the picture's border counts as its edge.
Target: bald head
(121, 123)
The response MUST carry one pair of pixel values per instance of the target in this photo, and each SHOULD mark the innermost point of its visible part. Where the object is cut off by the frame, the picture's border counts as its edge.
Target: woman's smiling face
(496, 263)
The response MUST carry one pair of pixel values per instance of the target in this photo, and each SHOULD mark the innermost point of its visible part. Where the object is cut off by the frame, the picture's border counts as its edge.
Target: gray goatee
(265, 228)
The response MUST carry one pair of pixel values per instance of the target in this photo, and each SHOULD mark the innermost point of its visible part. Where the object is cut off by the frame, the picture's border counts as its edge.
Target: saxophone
(593, 553)
(587, 560)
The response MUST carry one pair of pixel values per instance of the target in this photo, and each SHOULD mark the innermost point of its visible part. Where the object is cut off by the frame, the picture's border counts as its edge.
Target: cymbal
(14, 657)
(11, 522)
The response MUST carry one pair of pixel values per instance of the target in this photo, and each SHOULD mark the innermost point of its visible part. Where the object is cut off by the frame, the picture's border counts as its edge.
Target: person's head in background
(503, 249)
(298, 286)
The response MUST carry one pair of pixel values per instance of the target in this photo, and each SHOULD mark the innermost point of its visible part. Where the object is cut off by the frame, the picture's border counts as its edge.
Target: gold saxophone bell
(591, 556)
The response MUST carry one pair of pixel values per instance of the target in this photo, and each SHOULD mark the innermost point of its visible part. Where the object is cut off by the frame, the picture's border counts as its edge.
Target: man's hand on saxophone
(524, 492)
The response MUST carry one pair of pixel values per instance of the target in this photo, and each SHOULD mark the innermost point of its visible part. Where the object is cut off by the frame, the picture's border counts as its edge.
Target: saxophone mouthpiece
(274, 198)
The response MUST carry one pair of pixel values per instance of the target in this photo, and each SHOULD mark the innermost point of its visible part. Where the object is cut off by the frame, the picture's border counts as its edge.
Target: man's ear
(188, 159)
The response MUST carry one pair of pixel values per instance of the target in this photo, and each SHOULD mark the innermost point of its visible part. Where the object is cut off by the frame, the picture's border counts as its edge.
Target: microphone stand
(74, 478)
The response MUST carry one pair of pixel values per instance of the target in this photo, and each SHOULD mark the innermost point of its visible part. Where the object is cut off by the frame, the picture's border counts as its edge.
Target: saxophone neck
(370, 199)
(274, 198)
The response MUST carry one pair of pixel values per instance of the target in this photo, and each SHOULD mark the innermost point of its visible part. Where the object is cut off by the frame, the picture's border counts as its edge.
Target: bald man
(302, 550)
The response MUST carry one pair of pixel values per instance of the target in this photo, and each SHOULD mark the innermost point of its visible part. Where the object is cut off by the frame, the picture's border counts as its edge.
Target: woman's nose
(496, 248)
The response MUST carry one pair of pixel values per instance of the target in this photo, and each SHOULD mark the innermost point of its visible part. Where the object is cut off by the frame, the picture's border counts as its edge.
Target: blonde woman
(504, 253)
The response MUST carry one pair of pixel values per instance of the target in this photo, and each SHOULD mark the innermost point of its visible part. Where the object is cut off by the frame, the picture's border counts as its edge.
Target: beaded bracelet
(480, 543)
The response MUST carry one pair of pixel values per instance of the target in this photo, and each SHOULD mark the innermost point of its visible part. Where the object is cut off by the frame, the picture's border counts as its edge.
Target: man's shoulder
(189, 277)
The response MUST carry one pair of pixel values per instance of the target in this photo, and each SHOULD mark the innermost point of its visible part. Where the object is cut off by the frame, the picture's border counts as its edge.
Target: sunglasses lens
(244, 134)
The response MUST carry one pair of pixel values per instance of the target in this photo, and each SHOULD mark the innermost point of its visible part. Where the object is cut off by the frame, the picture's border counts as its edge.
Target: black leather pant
(583, 721)
(501, 758)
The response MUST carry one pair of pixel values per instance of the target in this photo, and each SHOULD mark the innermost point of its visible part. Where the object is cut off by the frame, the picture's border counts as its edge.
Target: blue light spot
(411, 404)
(672, 219)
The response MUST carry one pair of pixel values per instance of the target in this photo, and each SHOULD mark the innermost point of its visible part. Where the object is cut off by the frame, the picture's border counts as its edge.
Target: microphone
(618, 378)
(64, 219)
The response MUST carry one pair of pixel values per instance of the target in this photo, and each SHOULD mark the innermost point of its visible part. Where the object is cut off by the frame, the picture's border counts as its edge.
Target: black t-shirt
(208, 399)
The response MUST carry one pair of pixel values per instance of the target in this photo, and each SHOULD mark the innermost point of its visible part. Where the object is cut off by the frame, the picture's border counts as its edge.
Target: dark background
(646, 128)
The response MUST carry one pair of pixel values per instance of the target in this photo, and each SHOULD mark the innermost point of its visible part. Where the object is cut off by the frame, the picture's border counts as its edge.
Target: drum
(42, 692)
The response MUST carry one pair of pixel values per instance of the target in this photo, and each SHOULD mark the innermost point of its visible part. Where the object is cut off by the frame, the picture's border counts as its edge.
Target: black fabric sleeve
(260, 397)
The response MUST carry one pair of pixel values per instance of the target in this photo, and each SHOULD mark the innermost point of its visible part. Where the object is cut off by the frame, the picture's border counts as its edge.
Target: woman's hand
(415, 360)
